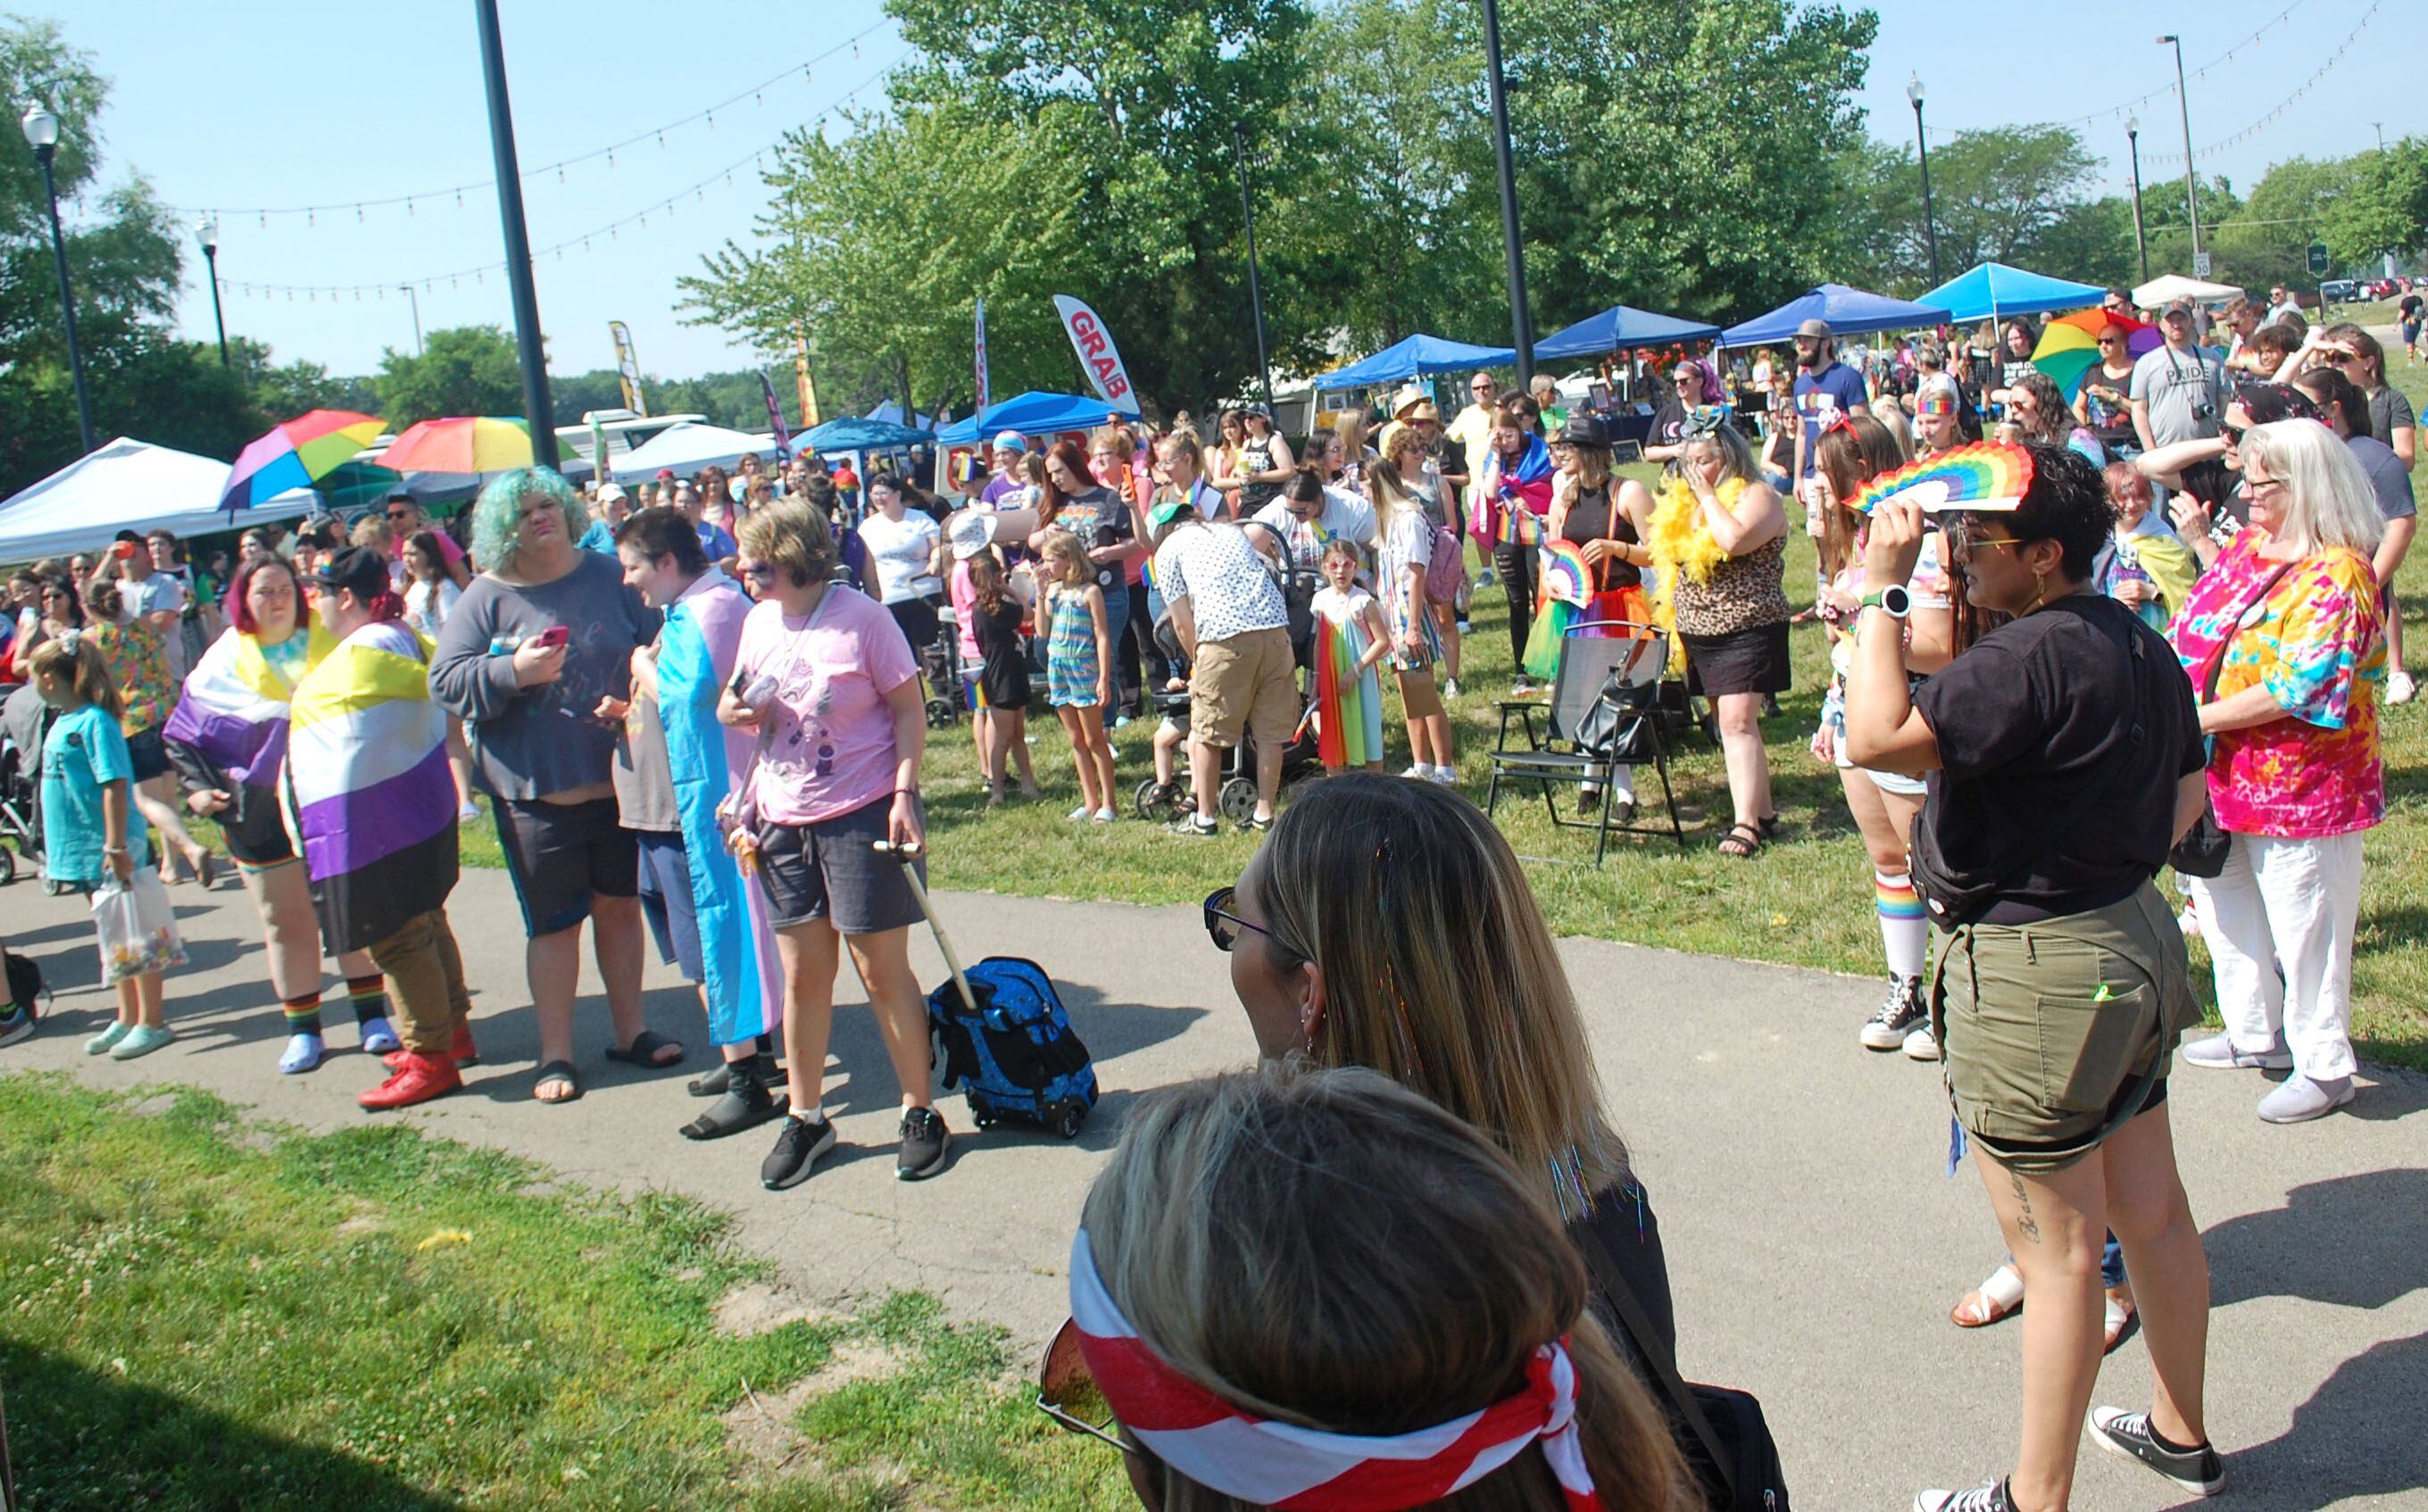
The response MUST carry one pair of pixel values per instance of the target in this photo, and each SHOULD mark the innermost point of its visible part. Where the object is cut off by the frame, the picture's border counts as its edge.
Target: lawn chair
(1602, 713)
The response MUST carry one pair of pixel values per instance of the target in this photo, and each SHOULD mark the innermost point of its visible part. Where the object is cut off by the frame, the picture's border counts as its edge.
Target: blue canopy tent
(891, 413)
(852, 433)
(1994, 289)
(1849, 312)
(1031, 413)
(1414, 359)
(1618, 328)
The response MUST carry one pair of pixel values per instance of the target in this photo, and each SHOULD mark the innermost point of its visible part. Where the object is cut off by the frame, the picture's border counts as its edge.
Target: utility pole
(2192, 186)
(528, 338)
(1521, 323)
(1255, 291)
(2140, 239)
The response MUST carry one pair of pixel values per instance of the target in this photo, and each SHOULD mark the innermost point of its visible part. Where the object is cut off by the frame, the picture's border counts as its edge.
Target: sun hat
(1409, 394)
(971, 532)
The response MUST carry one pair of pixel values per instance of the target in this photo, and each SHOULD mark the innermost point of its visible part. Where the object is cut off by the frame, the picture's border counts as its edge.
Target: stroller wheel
(1237, 799)
(940, 712)
(1155, 802)
(8, 866)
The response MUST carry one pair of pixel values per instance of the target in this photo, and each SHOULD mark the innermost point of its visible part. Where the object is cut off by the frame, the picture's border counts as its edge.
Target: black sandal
(643, 1051)
(557, 1071)
(1770, 826)
(736, 1111)
(1742, 841)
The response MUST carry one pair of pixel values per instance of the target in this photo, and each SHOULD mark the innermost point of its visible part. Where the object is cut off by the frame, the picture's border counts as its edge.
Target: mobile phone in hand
(552, 637)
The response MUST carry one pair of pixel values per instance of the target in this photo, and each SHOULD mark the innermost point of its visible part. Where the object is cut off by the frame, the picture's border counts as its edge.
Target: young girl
(1403, 542)
(1349, 695)
(1002, 683)
(1079, 668)
(88, 784)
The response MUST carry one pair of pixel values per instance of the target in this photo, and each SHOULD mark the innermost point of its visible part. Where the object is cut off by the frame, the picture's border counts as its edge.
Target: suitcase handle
(904, 855)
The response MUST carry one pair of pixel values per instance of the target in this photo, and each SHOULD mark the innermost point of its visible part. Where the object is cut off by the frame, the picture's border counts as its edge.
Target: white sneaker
(1421, 772)
(1445, 776)
(1105, 815)
(2218, 1053)
(2298, 1101)
(1922, 1045)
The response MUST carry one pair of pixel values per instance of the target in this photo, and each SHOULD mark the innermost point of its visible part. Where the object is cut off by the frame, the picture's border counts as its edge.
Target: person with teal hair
(535, 659)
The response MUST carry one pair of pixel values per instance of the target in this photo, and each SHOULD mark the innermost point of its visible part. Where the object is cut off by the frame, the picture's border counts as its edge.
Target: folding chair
(1602, 713)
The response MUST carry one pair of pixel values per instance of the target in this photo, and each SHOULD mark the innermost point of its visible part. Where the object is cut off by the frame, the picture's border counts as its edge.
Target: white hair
(2328, 500)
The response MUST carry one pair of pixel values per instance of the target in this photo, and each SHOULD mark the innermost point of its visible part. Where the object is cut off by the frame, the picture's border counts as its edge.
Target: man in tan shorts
(1229, 612)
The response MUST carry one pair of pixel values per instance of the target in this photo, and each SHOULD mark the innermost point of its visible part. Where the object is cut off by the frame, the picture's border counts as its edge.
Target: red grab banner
(1097, 353)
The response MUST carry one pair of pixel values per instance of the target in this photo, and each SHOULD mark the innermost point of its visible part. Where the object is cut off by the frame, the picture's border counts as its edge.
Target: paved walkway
(1814, 1244)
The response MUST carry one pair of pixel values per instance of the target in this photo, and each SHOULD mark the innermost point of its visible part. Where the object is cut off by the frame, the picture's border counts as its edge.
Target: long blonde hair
(75, 658)
(1392, 498)
(1325, 1248)
(1386, 881)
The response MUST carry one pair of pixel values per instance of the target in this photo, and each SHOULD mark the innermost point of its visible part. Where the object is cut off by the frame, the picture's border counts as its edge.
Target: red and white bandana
(1226, 1449)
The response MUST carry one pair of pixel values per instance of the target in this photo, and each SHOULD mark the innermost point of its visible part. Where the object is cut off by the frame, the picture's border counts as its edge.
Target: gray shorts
(830, 870)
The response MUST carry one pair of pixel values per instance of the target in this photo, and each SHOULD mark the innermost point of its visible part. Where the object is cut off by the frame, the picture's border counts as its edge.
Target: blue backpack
(1016, 1055)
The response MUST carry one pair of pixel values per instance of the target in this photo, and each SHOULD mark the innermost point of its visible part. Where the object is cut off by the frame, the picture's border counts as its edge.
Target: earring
(2040, 589)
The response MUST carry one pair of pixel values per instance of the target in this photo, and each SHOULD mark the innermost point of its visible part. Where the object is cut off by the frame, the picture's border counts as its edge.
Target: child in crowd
(1000, 689)
(2146, 564)
(1348, 694)
(1079, 668)
(87, 788)
(1404, 543)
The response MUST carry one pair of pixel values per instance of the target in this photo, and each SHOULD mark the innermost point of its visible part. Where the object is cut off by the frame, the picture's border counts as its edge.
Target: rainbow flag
(229, 732)
(369, 799)
(1349, 703)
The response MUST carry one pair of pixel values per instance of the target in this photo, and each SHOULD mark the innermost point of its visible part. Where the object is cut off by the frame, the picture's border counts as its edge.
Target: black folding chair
(1603, 713)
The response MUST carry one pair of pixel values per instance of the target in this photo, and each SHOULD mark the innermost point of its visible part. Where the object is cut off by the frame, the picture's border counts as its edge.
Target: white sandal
(2001, 1295)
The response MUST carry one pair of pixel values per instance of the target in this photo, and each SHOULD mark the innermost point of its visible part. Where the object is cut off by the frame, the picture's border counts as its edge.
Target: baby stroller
(1302, 759)
(24, 718)
(939, 663)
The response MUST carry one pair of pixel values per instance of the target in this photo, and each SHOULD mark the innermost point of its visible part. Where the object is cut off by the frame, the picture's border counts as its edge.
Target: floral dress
(1070, 666)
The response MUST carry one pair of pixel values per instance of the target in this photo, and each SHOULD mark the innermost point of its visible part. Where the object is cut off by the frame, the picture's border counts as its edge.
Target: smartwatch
(1894, 600)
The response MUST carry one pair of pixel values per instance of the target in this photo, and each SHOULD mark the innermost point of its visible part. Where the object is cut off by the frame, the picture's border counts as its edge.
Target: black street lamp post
(206, 231)
(1521, 322)
(1921, 149)
(42, 132)
(2140, 239)
(529, 340)
(1255, 290)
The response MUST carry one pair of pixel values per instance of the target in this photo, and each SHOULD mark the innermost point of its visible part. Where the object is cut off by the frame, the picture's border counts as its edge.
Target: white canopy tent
(2169, 288)
(688, 448)
(130, 485)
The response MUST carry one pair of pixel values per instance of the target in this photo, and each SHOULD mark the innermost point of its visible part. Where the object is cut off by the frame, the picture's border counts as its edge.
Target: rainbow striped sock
(304, 1015)
(1905, 924)
(368, 996)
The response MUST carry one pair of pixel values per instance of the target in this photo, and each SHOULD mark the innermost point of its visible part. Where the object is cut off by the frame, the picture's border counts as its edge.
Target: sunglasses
(1223, 925)
(757, 572)
(2234, 434)
(399, 514)
(2340, 358)
(1067, 1393)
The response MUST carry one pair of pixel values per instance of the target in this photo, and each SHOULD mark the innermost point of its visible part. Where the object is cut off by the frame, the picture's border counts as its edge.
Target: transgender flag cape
(737, 950)
(369, 798)
(229, 732)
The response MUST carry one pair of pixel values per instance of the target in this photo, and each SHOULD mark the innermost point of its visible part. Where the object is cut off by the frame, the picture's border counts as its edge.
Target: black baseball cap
(357, 569)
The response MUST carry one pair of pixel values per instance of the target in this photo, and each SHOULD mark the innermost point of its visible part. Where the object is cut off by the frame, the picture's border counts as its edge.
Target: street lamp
(206, 231)
(1255, 291)
(1922, 148)
(1522, 321)
(42, 133)
(2141, 242)
(2192, 189)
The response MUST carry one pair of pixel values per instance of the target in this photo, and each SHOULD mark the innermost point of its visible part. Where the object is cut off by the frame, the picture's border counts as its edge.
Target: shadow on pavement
(2358, 1435)
(2353, 1241)
(83, 1440)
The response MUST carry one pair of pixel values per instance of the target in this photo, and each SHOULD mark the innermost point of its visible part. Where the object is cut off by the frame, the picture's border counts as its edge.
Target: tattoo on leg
(2025, 1223)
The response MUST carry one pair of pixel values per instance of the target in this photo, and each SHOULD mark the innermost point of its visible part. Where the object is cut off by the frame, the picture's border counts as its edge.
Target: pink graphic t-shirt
(825, 745)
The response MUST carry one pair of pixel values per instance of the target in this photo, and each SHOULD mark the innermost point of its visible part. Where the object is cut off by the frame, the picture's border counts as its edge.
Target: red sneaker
(461, 1052)
(420, 1079)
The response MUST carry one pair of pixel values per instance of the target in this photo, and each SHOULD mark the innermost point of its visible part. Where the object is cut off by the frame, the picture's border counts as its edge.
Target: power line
(2273, 116)
(455, 192)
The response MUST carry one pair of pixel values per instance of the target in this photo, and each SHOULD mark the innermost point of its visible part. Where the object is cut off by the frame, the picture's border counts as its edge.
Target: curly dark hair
(2066, 502)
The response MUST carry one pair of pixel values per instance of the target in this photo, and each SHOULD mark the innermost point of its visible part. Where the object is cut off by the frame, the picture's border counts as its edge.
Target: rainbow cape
(737, 948)
(1349, 703)
(1989, 476)
(369, 799)
(229, 732)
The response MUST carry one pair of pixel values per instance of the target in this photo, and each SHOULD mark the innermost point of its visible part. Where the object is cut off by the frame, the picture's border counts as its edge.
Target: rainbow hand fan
(1566, 577)
(1987, 476)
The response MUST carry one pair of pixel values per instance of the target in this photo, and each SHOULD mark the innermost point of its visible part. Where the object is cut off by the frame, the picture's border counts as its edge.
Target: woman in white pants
(2284, 640)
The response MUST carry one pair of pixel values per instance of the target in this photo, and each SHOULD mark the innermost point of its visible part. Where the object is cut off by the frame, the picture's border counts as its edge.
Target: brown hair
(1850, 455)
(1254, 1228)
(83, 669)
(1069, 559)
(792, 538)
(985, 582)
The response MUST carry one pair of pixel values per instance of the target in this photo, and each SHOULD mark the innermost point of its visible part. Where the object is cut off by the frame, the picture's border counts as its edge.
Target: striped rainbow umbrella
(297, 455)
(480, 443)
(2068, 346)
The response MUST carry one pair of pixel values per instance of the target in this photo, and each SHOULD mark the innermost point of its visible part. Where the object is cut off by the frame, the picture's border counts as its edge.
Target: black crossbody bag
(2201, 851)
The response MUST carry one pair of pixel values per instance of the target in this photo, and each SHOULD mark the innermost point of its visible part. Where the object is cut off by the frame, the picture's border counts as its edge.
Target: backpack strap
(1648, 1345)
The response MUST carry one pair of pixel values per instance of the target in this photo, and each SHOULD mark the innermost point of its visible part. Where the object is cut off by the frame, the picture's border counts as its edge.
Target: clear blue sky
(316, 104)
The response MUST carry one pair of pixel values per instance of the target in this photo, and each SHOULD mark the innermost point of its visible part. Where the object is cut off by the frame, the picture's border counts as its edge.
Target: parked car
(2338, 292)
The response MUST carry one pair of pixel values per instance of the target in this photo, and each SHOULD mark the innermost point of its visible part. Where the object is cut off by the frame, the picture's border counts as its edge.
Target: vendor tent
(130, 485)
(689, 447)
(1993, 289)
(1416, 357)
(851, 434)
(1032, 413)
(1619, 328)
(891, 413)
(1849, 312)
(2169, 288)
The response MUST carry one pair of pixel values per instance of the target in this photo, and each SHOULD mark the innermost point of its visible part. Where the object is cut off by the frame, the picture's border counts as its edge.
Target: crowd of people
(699, 713)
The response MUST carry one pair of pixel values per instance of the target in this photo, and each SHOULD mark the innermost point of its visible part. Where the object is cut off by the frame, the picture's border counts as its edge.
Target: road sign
(2319, 260)
(2200, 265)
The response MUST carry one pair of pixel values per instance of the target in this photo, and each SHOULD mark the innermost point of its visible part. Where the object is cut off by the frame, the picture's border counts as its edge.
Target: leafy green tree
(2013, 194)
(465, 370)
(2385, 205)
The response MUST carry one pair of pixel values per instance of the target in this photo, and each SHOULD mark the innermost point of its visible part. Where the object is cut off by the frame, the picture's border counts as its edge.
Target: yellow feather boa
(1680, 542)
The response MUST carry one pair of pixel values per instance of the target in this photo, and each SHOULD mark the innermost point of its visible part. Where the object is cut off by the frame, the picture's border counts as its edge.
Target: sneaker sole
(943, 1153)
(2099, 1436)
(808, 1167)
(1894, 1042)
(2266, 1062)
(23, 1032)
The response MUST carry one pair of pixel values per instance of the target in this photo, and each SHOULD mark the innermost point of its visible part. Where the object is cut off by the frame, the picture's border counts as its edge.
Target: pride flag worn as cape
(370, 802)
(229, 732)
(737, 949)
(1349, 703)
(1519, 521)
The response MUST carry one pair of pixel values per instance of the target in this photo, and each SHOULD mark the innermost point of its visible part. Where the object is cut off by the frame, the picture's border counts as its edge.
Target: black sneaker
(797, 1153)
(925, 1144)
(16, 1024)
(1988, 1497)
(1898, 1017)
(2130, 1433)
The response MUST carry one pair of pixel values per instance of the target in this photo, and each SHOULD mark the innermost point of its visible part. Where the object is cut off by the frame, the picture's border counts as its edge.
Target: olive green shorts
(2049, 1033)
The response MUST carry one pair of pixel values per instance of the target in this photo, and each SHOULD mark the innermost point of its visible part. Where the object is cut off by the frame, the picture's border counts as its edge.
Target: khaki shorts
(1247, 681)
(2048, 1031)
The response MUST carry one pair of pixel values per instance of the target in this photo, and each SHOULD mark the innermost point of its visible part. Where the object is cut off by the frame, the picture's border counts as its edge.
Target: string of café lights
(2289, 101)
(756, 160)
(454, 194)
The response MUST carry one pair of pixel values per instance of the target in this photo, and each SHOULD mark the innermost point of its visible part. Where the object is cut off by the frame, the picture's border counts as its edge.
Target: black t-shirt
(2029, 721)
(2219, 488)
(2012, 369)
(2410, 307)
(1622, 1220)
(1099, 517)
(1668, 424)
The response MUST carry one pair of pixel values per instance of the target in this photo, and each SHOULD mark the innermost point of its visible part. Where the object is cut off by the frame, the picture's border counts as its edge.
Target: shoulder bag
(2201, 851)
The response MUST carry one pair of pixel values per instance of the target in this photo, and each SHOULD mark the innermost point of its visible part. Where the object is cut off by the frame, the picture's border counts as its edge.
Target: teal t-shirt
(83, 751)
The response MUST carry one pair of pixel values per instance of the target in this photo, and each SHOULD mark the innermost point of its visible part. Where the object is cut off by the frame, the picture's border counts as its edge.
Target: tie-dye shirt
(2317, 643)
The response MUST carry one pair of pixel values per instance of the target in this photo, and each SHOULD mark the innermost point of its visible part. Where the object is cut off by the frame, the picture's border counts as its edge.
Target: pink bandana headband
(1229, 1450)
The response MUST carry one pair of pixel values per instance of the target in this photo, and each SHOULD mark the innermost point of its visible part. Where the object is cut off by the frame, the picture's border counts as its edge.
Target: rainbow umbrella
(464, 444)
(2070, 345)
(297, 455)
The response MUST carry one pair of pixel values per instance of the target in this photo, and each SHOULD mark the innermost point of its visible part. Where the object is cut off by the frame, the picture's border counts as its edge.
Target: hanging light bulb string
(454, 192)
(2287, 103)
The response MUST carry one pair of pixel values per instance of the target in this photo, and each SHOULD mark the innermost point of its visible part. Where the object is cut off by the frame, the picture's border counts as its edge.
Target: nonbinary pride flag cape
(370, 802)
(229, 732)
(697, 653)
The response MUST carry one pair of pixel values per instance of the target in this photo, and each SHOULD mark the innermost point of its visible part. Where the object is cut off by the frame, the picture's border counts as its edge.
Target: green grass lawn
(206, 1313)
